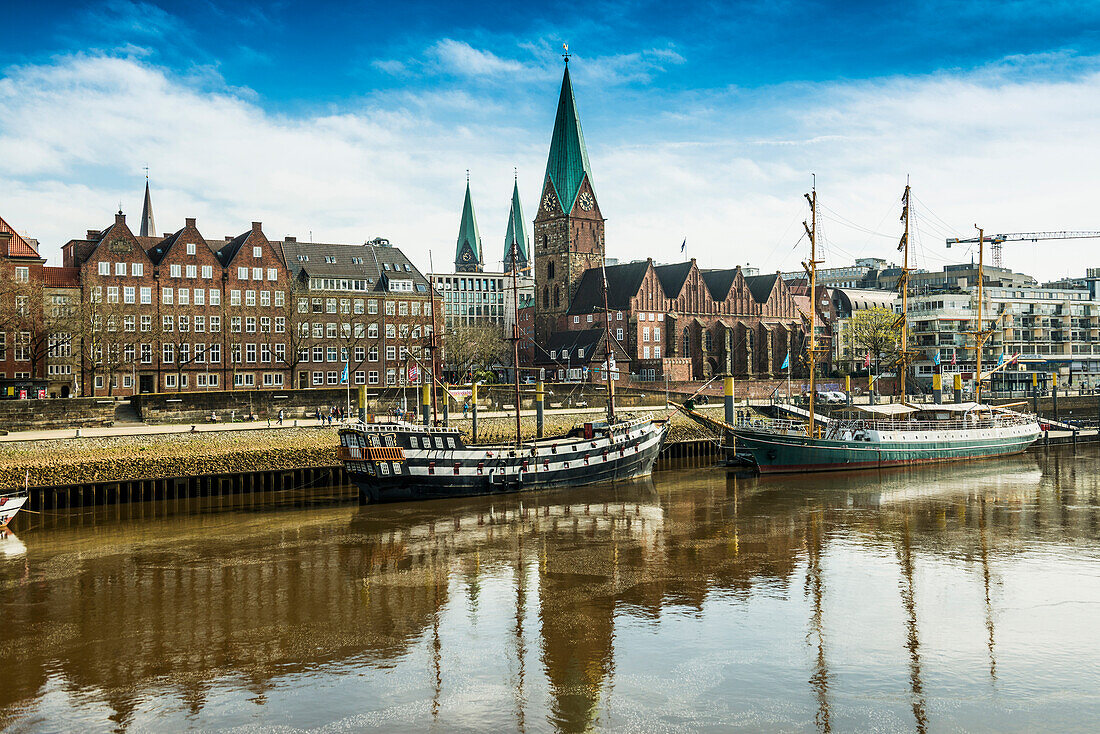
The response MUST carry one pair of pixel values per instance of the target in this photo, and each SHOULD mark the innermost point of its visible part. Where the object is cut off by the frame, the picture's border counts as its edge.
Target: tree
(471, 346)
(871, 331)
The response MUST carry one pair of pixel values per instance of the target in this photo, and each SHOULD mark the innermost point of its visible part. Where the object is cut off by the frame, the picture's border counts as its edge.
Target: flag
(936, 358)
(684, 244)
(344, 377)
(953, 357)
(786, 361)
(1001, 360)
(867, 362)
(414, 372)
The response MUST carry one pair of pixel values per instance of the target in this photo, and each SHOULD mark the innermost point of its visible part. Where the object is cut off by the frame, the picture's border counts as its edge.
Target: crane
(997, 240)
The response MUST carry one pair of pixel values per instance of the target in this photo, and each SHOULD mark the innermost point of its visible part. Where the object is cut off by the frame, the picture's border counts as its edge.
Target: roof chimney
(257, 226)
(189, 221)
(228, 238)
(120, 218)
(93, 234)
(166, 235)
(288, 238)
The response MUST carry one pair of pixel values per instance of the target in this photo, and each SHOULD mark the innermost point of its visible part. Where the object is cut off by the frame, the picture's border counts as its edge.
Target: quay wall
(24, 415)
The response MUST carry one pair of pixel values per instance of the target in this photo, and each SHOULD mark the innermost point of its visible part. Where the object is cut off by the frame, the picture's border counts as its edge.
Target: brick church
(676, 320)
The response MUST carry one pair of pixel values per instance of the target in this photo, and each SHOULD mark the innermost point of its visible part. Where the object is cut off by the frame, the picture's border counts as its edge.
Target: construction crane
(997, 240)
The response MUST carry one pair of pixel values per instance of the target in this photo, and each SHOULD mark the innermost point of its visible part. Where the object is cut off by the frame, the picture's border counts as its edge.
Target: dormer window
(386, 266)
(330, 259)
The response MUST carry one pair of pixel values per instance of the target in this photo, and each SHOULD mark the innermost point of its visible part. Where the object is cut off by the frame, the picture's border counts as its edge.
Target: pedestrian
(320, 418)
(465, 407)
(280, 417)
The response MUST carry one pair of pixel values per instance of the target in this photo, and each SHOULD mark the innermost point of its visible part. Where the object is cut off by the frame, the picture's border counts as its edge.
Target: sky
(705, 122)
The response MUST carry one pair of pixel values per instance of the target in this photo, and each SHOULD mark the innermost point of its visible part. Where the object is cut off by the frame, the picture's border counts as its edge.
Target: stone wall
(29, 415)
(196, 407)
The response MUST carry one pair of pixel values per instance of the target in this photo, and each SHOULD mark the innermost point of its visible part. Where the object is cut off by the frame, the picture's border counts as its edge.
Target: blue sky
(703, 121)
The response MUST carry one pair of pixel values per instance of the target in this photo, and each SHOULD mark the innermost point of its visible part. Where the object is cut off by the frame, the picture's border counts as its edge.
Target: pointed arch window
(550, 270)
(687, 342)
(557, 296)
(546, 296)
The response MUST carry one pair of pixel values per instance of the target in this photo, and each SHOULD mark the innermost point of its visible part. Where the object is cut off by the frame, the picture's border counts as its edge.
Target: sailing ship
(404, 461)
(896, 434)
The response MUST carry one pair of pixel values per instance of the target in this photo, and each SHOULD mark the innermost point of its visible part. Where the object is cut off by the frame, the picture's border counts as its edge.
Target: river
(959, 597)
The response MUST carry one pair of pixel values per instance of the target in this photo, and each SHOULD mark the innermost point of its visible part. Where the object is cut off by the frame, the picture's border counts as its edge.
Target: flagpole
(347, 381)
(789, 371)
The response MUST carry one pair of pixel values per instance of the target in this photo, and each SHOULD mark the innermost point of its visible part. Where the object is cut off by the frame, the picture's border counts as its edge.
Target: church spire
(148, 227)
(517, 233)
(567, 164)
(468, 258)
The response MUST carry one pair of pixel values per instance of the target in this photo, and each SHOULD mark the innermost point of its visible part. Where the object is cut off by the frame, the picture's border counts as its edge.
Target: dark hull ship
(402, 461)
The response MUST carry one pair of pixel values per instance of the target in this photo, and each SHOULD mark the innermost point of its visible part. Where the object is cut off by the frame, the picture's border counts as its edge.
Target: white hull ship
(10, 504)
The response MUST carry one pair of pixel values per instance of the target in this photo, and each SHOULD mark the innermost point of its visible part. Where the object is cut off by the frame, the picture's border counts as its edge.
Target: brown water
(952, 598)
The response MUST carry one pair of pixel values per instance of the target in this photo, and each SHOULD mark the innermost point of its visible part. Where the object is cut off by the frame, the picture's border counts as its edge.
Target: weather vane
(565, 52)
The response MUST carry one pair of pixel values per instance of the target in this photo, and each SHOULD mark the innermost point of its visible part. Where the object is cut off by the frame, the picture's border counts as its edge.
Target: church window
(710, 341)
(687, 342)
(546, 297)
(550, 270)
(557, 297)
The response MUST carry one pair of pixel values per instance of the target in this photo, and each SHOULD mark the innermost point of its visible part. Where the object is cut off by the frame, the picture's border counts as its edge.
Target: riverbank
(150, 452)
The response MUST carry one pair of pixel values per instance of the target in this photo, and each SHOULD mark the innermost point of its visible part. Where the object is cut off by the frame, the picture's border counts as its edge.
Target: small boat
(10, 504)
(404, 461)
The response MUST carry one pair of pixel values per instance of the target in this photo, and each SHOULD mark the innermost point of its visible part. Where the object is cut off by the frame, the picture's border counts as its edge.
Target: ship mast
(607, 351)
(904, 354)
(515, 339)
(980, 335)
(811, 269)
(433, 345)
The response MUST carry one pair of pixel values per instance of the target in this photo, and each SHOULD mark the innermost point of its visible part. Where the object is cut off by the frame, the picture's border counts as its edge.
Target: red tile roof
(17, 246)
(60, 277)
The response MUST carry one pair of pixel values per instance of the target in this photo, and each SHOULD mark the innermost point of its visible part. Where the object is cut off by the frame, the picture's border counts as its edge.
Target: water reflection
(696, 600)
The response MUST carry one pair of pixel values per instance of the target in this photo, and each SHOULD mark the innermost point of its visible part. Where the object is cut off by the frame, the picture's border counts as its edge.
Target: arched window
(557, 296)
(546, 296)
(687, 342)
(709, 340)
(550, 270)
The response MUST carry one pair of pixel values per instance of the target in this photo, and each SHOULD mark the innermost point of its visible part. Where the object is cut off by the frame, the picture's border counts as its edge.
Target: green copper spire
(517, 233)
(567, 163)
(468, 250)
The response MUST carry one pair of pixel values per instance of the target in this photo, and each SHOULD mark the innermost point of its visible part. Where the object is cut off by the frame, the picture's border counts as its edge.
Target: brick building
(672, 320)
(182, 312)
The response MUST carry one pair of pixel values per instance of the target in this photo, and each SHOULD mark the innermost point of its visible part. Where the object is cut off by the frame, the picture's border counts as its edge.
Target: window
(372, 306)
(330, 305)
(250, 298)
(318, 354)
(358, 306)
(183, 296)
(137, 270)
(120, 268)
(200, 323)
(215, 324)
(645, 334)
(372, 377)
(104, 269)
(175, 271)
(112, 294)
(403, 308)
(207, 271)
(215, 297)
(656, 352)
(265, 352)
(184, 323)
(318, 330)
(242, 273)
(168, 354)
(146, 323)
(170, 381)
(280, 352)
(265, 298)
(214, 354)
(246, 379)
(333, 377)
(373, 355)
(656, 333)
(200, 296)
(250, 324)
(391, 331)
(391, 377)
(330, 330)
(234, 298)
(257, 252)
(234, 324)
(166, 324)
(235, 354)
(589, 318)
(360, 354)
(273, 379)
(265, 324)
(576, 319)
(257, 273)
(391, 353)
(390, 308)
(272, 274)
(280, 324)
(318, 378)
(146, 295)
(146, 353)
(250, 353)
(190, 248)
(192, 271)
(360, 377)
(619, 334)
(372, 331)
(129, 323)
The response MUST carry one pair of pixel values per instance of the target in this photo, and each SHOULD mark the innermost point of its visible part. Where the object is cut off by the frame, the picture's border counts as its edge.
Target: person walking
(466, 406)
(280, 417)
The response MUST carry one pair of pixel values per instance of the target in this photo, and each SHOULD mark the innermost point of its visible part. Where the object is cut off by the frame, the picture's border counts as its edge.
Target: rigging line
(781, 238)
(841, 219)
(857, 227)
(927, 208)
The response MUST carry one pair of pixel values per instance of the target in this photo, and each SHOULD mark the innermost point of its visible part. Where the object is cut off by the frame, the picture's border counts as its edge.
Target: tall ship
(896, 434)
(404, 461)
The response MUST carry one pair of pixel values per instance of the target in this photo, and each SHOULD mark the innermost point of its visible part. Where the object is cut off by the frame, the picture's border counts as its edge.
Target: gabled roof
(623, 283)
(719, 282)
(586, 339)
(53, 277)
(567, 164)
(355, 262)
(229, 250)
(517, 232)
(672, 277)
(467, 231)
(157, 252)
(17, 245)
(761, 286)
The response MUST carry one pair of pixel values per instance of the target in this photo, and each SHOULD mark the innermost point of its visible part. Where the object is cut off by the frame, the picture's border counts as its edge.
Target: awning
(891, 409)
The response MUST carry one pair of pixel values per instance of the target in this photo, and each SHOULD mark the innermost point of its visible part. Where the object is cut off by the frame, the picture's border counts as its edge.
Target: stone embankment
(71, 461)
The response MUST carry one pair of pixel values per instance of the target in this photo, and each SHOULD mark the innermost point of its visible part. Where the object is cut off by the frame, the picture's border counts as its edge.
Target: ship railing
(773, 425)
(956, 424)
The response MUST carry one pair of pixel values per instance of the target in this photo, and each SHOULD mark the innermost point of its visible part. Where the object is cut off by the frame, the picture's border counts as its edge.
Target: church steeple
(567, 164)
(148, 227)
(517, 233)
(468, 257)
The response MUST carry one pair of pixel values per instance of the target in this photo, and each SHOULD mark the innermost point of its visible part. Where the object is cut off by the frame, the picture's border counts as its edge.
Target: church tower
(516, 235)
(148, 227)
(569, 228)
(468, 258)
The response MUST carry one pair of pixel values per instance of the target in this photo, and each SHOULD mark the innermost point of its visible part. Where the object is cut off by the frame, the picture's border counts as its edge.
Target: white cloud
(724, 168)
